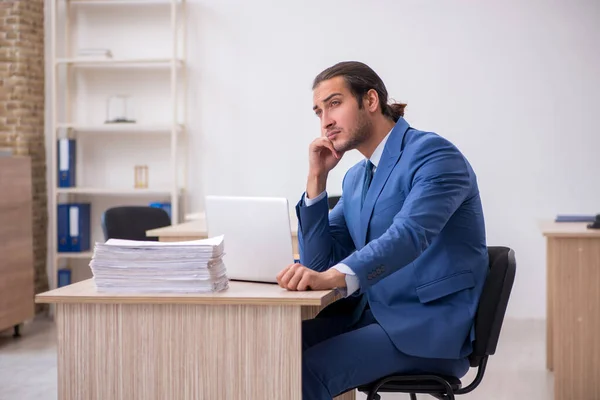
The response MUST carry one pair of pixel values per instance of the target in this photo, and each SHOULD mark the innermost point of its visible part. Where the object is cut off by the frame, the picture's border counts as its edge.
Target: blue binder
(73, 226)
(64, 277)
(62, 224)
(66, 162)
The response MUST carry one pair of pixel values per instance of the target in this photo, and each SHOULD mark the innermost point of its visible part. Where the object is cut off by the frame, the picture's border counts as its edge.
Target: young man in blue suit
(405, 243)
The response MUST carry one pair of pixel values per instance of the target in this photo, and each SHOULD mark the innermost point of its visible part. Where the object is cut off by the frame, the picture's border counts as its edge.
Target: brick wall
(22, 108)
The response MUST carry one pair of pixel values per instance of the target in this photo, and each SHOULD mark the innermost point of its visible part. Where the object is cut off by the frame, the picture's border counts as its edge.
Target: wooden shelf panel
(84, 255)
(119, 63)
(121, 128)
(126, 2)
(114, 191)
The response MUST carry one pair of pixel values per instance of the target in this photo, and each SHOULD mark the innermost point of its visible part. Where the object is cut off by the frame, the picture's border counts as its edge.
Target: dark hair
(360, 78)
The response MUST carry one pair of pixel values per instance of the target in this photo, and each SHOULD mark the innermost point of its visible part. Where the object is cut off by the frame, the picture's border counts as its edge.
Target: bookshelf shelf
(121, 63)
(82, 255)
(122, 128)
(122, 2)
(115, 191)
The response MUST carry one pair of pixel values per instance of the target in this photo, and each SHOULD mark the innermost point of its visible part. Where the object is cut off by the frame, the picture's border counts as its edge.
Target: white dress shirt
(352, 283)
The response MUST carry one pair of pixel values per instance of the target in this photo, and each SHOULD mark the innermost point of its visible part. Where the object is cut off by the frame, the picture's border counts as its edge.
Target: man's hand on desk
(299, 277)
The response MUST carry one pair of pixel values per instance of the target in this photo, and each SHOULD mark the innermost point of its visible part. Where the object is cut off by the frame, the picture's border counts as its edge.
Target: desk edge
(595, 234)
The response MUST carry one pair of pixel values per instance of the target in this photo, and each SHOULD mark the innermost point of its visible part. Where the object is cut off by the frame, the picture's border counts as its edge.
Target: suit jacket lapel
(389, 158)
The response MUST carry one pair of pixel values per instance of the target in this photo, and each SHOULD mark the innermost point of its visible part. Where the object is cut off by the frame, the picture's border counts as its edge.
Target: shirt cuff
(352, 282)
(309, 202)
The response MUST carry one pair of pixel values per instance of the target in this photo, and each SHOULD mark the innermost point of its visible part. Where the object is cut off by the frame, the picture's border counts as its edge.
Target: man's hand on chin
(299, 277)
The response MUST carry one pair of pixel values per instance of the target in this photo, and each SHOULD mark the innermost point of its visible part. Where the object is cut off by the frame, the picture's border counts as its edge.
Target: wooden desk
(242, 343)
(573, 309)
(196, 229)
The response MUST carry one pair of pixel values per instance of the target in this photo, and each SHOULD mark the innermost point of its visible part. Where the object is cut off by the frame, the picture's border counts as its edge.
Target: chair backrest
(132, 222)
(332, 201)
(493, 302)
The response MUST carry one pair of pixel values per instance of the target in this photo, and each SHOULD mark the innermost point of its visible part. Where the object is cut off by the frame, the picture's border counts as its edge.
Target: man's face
(342, 121)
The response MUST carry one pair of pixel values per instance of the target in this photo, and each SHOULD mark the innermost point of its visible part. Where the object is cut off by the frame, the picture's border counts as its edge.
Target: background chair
(132, 222)
(332, 201)
(488, 322)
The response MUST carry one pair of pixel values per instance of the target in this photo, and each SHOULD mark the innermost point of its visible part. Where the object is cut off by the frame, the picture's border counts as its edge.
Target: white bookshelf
(147, 62)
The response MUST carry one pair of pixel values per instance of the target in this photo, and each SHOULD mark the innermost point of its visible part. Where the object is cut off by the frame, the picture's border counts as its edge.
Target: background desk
(194, 230)
(573, 309)
(242, 343)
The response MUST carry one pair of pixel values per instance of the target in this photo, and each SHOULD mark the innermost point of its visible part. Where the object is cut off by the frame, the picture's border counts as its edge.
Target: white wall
(514, 84)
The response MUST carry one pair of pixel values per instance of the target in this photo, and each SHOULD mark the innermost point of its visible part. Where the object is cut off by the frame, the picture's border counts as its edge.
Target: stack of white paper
(145, 267)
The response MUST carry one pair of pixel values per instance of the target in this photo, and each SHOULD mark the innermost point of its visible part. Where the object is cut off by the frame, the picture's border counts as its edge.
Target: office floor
(28, 365)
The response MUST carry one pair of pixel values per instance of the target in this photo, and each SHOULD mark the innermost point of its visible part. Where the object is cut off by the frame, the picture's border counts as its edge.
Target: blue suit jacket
(417, 246)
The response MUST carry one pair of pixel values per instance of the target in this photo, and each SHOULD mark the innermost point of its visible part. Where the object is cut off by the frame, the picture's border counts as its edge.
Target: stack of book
(152, 267)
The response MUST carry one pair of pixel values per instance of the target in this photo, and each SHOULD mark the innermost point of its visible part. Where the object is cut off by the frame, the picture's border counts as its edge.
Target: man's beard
(358, 136)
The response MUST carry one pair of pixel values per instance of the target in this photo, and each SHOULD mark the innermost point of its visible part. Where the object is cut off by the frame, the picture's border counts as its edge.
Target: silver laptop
(258, 238)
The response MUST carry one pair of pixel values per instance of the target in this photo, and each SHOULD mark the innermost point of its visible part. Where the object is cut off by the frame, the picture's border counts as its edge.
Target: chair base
(442, 387)
(378, 397)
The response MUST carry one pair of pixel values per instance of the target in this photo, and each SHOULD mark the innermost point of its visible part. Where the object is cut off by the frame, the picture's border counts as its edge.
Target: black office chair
(332, 201)
(488, 322)
(132, 222)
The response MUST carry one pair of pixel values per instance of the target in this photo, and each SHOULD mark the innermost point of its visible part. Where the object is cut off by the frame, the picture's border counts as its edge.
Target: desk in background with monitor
(573, 308)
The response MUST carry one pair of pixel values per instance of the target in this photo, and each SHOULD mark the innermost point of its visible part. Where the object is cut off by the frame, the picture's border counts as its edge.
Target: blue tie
(367, 181)
(362, 303)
